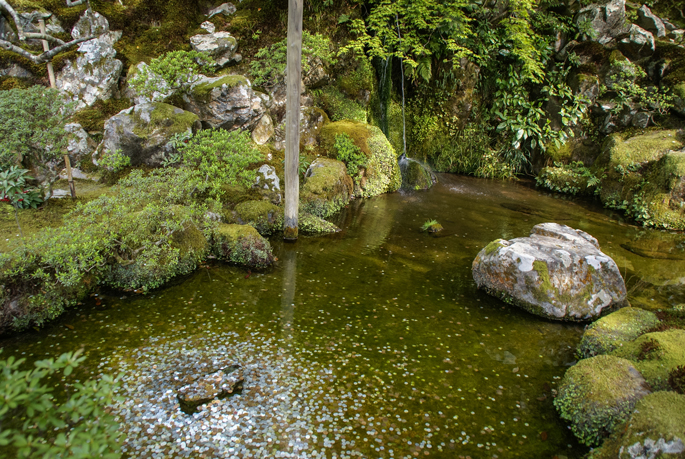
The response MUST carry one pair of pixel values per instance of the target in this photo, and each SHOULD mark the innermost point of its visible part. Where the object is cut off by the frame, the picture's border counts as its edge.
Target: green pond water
(376, 338)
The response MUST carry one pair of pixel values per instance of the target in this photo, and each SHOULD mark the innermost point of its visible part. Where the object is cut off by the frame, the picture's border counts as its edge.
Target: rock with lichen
(143, 132)
(213, 386)
(263, 215)
(241, 245)
(557, 272)
(597, 395)
(615, 330)
(655, 429)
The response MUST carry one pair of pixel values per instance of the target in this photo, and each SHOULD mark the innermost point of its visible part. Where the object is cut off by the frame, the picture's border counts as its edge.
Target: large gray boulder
(226, 102)
(94, 75)
(221, 46)
(638, 43)
(606, 21)
(557, 272)
(143, 131)
(648, 21)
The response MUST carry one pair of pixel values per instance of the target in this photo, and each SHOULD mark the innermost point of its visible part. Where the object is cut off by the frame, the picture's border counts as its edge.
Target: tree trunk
(292, 119)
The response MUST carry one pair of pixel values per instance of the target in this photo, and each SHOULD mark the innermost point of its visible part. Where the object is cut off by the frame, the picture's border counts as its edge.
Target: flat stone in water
(216, 385)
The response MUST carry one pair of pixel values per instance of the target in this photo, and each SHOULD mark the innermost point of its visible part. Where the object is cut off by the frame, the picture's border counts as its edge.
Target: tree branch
(46, 56)
(44, 36)
(15, 17)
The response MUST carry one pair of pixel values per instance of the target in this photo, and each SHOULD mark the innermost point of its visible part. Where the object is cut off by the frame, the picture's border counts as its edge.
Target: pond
(373, 342)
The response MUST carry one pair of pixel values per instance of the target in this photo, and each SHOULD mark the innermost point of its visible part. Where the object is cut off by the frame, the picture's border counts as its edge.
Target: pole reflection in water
(289, 258)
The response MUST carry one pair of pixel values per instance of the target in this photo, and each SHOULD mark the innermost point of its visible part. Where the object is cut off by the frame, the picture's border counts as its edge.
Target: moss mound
(656, 429)
(309, 224)
(264, 216)
(598, 394)
(241, 245)
(665, 355)
(382, 172)
(640, 149)
(614, 330)
(327, 188)
(202, 90)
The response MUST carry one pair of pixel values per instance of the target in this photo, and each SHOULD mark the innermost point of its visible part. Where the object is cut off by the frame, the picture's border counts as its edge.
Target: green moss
(93, 118)
(597, 395)
(415, 176)
(615, 330)
(241, 245)
(541, 268)
(314, 225)
(493, 246)
(658, 417)
(164, 117)
(338, 107)
(616, 57)
(670, 355)
(203, 90)
(264, 216)
(328, 189)
(7, 83)
(640, 149)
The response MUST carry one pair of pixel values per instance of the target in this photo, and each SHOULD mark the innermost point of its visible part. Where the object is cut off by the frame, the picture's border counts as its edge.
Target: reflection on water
(373, 342)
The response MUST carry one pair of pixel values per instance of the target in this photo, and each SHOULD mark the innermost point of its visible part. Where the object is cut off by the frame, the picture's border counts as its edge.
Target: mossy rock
(597, 395)
(241, 245)
(640, 149)
(186, 249)
(327, 187)
(264, 216)
(309, 224)
(382, 172)
(416, 176)
(655, 429)
(614, 330)
(656, 365)
(203, 90)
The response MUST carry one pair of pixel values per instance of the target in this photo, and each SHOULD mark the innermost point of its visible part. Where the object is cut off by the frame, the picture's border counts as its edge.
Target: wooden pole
(292, 119)
(72, 188)
(46, 47)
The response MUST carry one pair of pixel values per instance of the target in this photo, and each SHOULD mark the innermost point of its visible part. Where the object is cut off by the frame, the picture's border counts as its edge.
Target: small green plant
(428, 224)
(629, 93)
(268, 67)
(34, 425)
(115, 162)
(571, 178)
(350, 154)
(302, 165)
(173, 71)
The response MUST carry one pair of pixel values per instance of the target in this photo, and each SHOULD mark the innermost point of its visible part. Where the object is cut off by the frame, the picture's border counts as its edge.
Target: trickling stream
(373, 342)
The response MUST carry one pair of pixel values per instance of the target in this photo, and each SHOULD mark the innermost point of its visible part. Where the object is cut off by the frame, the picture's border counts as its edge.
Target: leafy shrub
(268, 67)
(115, 162)
(572, 179)
(15, 191)
(81, 427)
(624, 84)
(468, 152)
(32, 130)
(175, 70)
(349, 153)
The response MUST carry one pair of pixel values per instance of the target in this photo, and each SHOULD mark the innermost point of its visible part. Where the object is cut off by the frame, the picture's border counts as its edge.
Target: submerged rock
(597, 395)
(209, 387)
(615, 330)
(656, 429)
(557, 272)
(226, 102)
(143, 131)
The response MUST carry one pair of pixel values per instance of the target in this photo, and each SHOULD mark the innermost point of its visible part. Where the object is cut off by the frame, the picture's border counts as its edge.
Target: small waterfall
(415, 176)
(404, 121)
(384, 76)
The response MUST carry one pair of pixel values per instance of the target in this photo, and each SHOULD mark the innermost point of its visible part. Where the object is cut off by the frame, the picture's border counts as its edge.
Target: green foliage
(115, 162)
(428, 223)
(572, 179)
(81, 427)
(216, 157)
(628, 93)
(468, 152)
(32, 130)
(175, 70)
(15, 190)
(268, 67)
(350, 154)
(337, 106)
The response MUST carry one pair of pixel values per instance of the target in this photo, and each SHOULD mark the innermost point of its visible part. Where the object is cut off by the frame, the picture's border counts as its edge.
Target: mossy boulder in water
(598, 394)
(615, 330)
(656, 429)
(327, 187)
(415, 176)
(242, 245)
(557, 272)
(382, 172)
(264, 216)
(656, 355)
(226, 102)
(143, 131)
